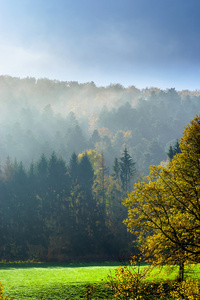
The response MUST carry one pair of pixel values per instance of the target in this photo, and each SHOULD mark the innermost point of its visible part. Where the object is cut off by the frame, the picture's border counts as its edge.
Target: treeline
(39, 116)
(57, 212)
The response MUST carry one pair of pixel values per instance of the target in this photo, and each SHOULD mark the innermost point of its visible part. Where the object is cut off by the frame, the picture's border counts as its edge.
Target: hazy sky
(133, 42)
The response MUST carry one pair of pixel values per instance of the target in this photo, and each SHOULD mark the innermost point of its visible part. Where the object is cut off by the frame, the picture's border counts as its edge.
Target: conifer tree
(73, 168)
(176, 148)
(173, 150)
(116, 169)
(170, 152)
(127, 170)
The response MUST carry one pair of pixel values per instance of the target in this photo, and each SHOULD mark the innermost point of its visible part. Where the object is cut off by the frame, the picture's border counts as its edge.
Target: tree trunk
(181, 272)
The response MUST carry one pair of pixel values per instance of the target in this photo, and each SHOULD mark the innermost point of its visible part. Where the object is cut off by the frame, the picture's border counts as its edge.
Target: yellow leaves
(93, 156)
(164, 210)
(1, 289)
(103, 131)
(93, 119)
(161, 290)
(187, 289)
(127, 283)
(191, 135)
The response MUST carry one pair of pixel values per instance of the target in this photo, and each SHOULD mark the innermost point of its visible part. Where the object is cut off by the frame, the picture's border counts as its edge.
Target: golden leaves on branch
(164, 210)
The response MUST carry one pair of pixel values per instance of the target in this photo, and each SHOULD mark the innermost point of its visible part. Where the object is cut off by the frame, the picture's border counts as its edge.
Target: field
(63, 281)
(54, 281)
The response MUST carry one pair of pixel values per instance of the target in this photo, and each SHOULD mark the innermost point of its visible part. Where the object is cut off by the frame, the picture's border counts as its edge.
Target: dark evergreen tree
(173, 150)
(101, 183)
(170, 152)
(73, 169)
(42, 168)
(95, 138)
(127, 171)
(86, 173)
(116, 169)
(176, 148)
(57, 214)
(5, 220)
(20, 205)
(87, 203)
(75, 139)
(8, 169)
(42, 196)
(57, 173)
(34, 220)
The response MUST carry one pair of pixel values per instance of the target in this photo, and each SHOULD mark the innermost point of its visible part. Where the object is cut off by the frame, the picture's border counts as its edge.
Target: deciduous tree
(164, 210)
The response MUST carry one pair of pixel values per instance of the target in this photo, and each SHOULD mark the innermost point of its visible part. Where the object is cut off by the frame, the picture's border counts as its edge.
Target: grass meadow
(66, 281)
(55, 281)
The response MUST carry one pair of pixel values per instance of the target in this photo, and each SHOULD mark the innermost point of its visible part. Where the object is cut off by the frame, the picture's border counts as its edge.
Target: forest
(69, 153)
(55, 212)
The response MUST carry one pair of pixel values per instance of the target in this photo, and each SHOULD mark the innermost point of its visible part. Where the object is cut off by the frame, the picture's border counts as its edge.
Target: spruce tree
(127, 170)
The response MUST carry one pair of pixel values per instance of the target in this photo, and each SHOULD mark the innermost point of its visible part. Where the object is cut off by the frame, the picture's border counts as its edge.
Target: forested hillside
(69, 152)
(41, 116)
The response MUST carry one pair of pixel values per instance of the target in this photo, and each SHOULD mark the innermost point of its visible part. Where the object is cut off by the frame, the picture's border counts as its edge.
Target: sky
(145, 43)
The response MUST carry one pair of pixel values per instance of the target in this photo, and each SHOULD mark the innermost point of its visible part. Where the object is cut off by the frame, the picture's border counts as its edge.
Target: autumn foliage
(164, 209)
(164, 214)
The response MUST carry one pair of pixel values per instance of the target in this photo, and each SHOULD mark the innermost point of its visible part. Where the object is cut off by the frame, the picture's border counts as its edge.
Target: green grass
(171, 273)
(54, 281)
(66, 281)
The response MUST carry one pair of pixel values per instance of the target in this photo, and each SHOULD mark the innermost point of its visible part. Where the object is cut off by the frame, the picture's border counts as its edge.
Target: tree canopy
(164, 209)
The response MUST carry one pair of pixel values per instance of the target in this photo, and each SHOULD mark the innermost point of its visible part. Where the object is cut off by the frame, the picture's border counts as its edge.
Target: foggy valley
(69, 154)
(99, 149)
(42, 116)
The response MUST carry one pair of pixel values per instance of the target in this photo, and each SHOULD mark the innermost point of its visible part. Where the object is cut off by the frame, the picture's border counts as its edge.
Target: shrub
(187, 289)
(129, 283)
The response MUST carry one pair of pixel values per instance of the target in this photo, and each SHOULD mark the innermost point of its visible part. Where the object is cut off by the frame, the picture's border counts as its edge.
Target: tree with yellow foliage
(164, 209)
(93, 156)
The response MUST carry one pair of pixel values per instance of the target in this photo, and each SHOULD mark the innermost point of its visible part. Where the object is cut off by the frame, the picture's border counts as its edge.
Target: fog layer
(41, 116)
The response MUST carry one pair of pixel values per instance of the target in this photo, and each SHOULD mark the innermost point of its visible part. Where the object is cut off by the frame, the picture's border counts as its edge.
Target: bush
(129, 283)
(187, 289)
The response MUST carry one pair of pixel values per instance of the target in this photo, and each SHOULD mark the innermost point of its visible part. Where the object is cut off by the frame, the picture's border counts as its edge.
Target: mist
(42, 115)
(62, 151)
